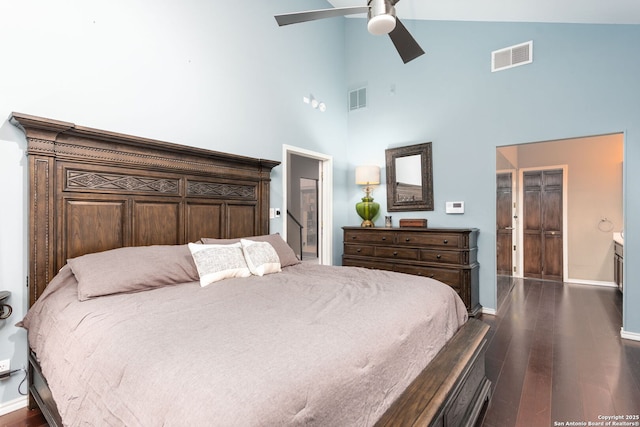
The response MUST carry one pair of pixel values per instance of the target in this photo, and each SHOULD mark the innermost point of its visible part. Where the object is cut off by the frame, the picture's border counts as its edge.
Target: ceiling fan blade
(405, 44)
(312, 15)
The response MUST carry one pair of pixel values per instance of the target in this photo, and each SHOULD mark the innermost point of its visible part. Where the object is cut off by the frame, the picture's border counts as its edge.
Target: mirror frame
(391, 154)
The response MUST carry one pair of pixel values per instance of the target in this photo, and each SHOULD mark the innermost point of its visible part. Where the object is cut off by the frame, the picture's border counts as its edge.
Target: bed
(373, 348)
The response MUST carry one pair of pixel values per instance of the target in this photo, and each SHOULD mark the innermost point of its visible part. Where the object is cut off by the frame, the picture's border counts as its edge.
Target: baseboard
(592, 283)
(487, 310)
(13, 405)
(629, 335)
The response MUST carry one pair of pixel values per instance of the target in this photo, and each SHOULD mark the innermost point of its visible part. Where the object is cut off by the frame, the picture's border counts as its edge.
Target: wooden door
(542, 224)
(504, 224)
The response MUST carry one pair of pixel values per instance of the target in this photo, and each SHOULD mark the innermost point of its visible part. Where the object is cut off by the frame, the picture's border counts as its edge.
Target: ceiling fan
(381, 20)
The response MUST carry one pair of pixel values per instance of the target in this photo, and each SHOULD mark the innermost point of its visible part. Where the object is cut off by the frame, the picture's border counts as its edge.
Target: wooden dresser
(449, 255)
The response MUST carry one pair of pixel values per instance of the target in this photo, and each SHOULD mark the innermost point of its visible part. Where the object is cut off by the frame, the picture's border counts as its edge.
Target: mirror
(409, 178)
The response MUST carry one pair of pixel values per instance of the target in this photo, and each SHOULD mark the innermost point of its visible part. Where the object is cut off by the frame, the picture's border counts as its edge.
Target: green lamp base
(367, 209)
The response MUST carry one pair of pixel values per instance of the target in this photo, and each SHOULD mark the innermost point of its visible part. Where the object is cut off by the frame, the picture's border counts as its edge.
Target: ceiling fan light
(381, 24)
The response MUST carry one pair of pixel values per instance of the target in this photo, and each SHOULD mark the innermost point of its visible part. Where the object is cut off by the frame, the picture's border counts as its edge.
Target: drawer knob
(395, 253)
(438, 256)
(446, 241)
(359, 250)
(384, 238)
(432, 276)
(408, 239)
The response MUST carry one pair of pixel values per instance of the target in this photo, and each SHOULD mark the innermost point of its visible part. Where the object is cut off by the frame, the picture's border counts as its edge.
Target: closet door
(504, 224)
(542, 224)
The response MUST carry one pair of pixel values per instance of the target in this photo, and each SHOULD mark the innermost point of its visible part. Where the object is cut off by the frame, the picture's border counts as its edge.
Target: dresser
(449, 255)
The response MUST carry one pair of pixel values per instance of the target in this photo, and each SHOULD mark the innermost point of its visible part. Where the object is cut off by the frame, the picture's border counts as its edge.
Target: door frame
(565, 236)
(515, 217)
(325, 198)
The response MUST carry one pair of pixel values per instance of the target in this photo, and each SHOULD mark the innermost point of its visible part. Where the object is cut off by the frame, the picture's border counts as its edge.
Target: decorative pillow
(132, 269)
(261, 257)
(217, 262)
(285, 253)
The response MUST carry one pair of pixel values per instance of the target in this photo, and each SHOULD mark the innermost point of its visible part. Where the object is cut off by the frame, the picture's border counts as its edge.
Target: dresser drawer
(369, 236)
(392, 252)
(361, 250)
(445, 257)
(351, 262)
(452, 277)
(452, 240)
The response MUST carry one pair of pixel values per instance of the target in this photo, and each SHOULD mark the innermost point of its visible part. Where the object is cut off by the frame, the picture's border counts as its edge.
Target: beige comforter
(312, 345)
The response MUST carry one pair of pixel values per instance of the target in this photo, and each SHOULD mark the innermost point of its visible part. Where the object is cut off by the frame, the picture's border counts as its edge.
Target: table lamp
(367, 208)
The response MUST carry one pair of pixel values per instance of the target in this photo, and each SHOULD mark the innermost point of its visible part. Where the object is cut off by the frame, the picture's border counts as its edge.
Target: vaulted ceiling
(567, 11)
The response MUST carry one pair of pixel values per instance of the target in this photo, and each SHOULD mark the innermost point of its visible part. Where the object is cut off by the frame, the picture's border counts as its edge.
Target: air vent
(513, 56)
(357, 99)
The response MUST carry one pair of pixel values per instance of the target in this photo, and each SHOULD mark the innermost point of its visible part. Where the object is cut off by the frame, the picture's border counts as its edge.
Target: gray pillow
(285, 253)
(132, 269)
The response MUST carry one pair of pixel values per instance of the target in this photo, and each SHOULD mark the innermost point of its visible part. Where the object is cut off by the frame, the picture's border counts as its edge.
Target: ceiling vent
(513, 56)
(357, 99)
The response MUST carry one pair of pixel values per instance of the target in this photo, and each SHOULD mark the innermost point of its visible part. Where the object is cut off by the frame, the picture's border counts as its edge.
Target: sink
(619, 237)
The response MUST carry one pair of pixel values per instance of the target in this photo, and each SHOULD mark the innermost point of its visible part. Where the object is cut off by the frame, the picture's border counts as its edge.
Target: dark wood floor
(23, 418)
(555, 356)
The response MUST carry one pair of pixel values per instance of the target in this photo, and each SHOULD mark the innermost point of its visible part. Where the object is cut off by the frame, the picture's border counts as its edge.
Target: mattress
(310, 345)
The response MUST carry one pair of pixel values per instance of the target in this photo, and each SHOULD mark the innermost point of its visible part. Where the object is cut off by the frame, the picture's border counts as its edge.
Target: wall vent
(357, 99)
(512, 56)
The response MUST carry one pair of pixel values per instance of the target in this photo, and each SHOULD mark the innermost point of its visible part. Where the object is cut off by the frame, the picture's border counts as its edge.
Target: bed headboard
(92, 190)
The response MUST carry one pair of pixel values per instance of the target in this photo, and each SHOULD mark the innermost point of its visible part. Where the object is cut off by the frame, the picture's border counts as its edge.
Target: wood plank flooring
(555, 356)
(23, 418)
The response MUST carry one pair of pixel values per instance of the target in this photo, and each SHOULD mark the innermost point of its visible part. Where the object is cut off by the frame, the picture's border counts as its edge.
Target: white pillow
(261, 257)
(217, 262)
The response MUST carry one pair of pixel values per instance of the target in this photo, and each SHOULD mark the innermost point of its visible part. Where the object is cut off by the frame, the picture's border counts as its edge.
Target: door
(302, 167)
(304, 174)
(309, 217)
(542, 224)
(504, 223)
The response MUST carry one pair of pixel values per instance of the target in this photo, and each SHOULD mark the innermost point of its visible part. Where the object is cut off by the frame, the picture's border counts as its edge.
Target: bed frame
(92, 190)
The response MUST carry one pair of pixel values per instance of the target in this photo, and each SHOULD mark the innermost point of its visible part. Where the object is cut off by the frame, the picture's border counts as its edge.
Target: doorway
(587, 194)
(542, 224)
(308, 195)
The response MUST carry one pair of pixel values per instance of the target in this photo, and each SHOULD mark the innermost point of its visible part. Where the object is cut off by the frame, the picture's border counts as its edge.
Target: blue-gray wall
(233, 81)
(583, 81)
(189, 72)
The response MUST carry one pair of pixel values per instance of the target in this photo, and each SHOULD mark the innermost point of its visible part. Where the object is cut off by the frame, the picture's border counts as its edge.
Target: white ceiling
(568, 11)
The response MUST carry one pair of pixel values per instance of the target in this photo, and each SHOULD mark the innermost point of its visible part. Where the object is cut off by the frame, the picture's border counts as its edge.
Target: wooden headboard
(92, 190)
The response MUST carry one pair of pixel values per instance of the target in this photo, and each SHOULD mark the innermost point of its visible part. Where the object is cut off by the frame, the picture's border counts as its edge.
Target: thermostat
(455, 207)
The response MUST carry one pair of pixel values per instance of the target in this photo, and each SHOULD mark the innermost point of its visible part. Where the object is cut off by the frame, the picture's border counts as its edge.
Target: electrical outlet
(5, 367)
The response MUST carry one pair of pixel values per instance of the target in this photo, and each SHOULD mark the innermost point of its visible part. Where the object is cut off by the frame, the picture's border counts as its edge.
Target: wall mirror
(409, 178)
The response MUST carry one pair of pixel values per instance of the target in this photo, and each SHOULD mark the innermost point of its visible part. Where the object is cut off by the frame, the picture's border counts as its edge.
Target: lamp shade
(367, 175)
